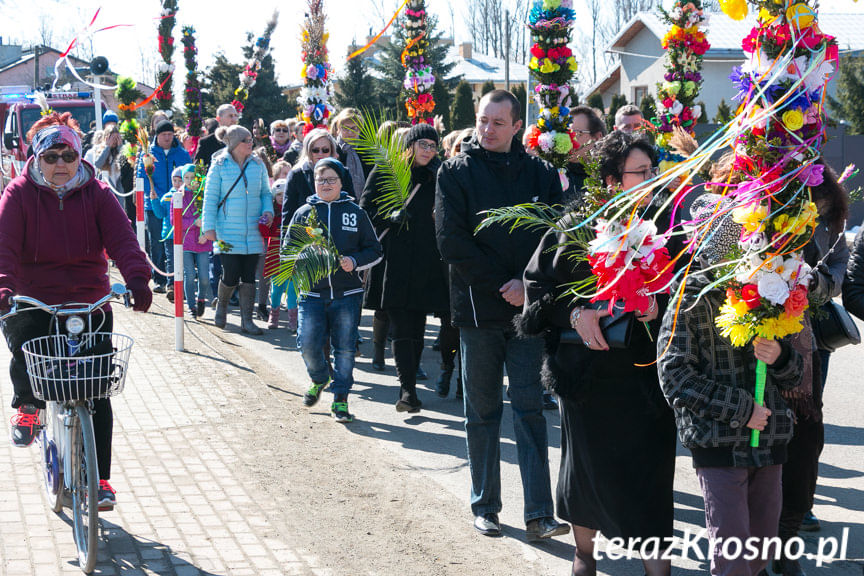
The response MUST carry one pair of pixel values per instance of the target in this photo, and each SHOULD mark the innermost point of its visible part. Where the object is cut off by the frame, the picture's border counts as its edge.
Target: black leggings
(448, 342)
(32, 324)
(238, 268)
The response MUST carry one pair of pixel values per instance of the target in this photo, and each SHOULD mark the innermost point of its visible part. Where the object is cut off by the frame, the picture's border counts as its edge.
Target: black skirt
(618, 457)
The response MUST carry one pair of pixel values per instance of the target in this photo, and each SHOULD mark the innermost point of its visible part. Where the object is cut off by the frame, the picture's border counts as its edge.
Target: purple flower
(811, 175)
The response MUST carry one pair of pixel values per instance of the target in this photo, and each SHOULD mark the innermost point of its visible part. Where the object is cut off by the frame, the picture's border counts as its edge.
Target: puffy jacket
(236, 222)
(54, 250)
(411, 275)
(853, 283)
(468, 184)
(353, 235)
(165, 163)
(162, 209)
(300, 186)
(710, 385)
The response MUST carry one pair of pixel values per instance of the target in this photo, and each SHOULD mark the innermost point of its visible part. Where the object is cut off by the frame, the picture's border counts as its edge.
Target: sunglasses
(69, 156)
(281, 130)
(319, 150)
(332, 180)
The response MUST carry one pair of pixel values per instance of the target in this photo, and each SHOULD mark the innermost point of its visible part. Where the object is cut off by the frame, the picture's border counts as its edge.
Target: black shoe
(199, 308)
(339, 410)
(263, 313)
(159, 289)
(442, 387)
(408, 406)
(378, 357)
(787, 567)
(421, 374)
(543, 528)
(310, 398)
(170, 295)
(25, 425)
(549, 402)
(810, 523)
(488, 524)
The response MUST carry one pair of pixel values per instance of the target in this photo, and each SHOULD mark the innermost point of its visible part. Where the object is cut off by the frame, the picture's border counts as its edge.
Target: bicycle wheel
(52, 467)
(85, 497)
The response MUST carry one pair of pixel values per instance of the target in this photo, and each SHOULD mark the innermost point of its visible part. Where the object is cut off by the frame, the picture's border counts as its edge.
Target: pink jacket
(190, 231)
(54, 250)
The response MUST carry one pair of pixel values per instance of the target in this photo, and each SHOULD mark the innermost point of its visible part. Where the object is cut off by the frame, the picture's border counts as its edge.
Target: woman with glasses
(410, 283)
(617, 432)
(280, 137)
(237, 198)
(57, 221)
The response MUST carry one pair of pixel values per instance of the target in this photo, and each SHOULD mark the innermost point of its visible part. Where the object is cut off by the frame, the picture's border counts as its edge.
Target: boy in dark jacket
(710, 385)
(332, 307)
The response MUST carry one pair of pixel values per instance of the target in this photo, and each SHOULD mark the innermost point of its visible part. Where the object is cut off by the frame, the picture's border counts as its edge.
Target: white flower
(676, 108)
(697, 111)
(819, 76)
(773, 288)
(755, 243)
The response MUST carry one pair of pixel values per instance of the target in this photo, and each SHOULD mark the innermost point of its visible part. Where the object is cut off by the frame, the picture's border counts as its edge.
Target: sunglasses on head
(68, 156)
(320, 150)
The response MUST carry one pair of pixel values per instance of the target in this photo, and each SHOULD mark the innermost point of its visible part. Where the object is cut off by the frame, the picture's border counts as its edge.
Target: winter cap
(164, 126)
(177, 172)
(109, 117)
(333, 164)
(421, 131)
(231, 136)
(723, 234)
(187, 169)
(279, 186)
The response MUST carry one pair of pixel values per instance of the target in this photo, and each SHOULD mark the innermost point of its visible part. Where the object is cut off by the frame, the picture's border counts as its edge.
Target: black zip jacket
(351, 231)
(853, 284)
(469, 184)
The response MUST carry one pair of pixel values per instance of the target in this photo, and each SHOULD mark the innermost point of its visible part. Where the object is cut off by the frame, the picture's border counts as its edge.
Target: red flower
(750, 296)
(537, 51)
(732, 296)
(796, 303)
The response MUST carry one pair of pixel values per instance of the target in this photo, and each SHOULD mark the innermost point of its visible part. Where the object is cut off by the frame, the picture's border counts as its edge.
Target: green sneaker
(340, 412)
(310, 398)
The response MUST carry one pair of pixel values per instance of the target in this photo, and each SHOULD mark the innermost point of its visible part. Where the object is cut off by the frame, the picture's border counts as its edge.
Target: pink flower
(811, 175)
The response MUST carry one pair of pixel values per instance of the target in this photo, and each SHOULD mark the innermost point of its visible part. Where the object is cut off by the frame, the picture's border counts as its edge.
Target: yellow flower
(793, 119)
(534, 64)
(739, 334)
(548, 66)
(753, 219)
(735, 9)
(779, 327)
(572, 64)
(801, 16)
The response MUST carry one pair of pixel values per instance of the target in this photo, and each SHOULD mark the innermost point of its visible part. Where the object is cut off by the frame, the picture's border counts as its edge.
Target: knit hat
(231, 136)
(723, 233)
(421, 131)
(279, 186)
(109, 117)
(334, 164)
(187, 169)
(177, 172)
(164, 126)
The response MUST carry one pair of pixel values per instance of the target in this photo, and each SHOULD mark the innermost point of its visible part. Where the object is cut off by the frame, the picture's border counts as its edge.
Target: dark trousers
(408, 328)
(33, 324)
(448, 343)
(156, 246)
(215, 273)
(740, 503)
(238, 268)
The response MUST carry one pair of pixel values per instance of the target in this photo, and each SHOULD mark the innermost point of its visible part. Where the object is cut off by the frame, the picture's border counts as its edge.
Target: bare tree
(45, 29)
(489, 26)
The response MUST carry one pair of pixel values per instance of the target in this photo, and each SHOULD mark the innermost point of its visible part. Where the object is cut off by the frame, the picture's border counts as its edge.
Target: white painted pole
(97, 101)
(179, 300)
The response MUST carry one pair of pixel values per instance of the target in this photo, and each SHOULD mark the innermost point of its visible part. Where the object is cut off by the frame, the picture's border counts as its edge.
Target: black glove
(142, 297)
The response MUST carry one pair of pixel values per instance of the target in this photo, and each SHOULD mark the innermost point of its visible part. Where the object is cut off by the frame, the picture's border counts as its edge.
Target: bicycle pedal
(105, 507)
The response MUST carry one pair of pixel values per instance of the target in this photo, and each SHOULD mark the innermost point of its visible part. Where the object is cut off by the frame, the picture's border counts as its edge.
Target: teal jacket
(236, 222)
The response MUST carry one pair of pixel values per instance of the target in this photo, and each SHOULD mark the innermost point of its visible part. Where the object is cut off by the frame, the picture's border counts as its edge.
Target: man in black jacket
(227, 115)
(486, 293)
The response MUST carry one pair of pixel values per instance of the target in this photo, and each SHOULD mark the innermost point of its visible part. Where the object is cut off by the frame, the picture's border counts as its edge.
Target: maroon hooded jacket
(54, 251)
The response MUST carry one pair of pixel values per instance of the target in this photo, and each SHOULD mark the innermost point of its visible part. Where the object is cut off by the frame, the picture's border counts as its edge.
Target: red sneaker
(107, 496)
(25, 425)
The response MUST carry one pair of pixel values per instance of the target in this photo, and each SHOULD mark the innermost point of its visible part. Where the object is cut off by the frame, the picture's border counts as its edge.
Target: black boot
(380, 327)
(442, 387)
(378, 356)
(405, 354)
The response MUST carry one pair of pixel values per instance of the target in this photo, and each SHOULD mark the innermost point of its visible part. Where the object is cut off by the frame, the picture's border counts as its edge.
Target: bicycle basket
(97, 371)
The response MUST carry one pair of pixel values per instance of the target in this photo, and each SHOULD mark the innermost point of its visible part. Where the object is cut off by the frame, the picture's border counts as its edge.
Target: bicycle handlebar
(117, 290)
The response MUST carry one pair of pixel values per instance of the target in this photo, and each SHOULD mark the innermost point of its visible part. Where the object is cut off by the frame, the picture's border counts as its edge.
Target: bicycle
(69, 371)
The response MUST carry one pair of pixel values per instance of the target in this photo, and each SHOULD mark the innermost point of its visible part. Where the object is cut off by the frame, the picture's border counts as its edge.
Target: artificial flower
(773, 288)
(735, 9)
(797, 302)
(752, 218)
(793, 120)
(750, 296)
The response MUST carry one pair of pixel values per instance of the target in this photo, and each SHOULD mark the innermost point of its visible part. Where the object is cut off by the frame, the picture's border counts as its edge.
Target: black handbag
(833, 327)
(617, 329)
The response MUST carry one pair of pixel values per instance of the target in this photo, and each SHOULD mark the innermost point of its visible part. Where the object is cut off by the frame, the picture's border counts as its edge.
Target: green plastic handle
(759, 396)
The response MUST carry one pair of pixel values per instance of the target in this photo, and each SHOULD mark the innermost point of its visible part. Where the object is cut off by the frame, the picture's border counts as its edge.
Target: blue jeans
(196, 270)
(485, 352)
(157, 247)
(338, 318)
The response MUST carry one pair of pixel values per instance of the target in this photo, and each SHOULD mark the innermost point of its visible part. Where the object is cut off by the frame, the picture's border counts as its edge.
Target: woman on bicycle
(57, 221)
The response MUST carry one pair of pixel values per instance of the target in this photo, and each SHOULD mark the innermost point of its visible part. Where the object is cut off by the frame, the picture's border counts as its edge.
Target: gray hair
(628, 110)
(223, 109)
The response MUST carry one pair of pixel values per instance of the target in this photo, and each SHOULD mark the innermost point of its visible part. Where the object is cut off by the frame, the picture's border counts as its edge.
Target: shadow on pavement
(125, 553)
(844, 435)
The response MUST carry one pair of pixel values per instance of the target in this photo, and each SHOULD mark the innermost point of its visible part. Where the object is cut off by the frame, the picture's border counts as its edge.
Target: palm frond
(536, 216)
(308, 255)
(387, 153)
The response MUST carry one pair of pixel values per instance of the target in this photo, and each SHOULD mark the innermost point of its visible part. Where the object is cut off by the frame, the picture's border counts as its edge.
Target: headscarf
(54, 135)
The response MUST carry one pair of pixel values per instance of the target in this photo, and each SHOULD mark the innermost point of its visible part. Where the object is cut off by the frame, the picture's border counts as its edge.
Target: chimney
(465, 50)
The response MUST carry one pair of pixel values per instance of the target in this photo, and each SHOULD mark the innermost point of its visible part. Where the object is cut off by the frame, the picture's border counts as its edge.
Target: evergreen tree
(618, 100)
(724, 114)
(443, 101)
(356, 88)
(522, 96)
(487, 87)
(703, 119)
(389, 66)
(648, 107)
(463, 115)
(596, 101)
(218, 84)
(849, 103)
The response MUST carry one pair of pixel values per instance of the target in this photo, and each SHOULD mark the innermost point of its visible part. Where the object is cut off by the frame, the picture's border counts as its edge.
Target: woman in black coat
(410, 282)
(617, 432)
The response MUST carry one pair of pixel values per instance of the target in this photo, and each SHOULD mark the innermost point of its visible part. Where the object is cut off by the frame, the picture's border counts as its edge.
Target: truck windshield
(83, 114)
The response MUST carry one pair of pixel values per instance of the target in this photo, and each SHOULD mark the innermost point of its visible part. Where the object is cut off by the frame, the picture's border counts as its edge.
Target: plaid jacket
(710, 384)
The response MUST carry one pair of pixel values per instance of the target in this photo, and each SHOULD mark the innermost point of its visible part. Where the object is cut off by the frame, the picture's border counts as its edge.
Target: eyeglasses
(329, 181)
(647, 173)
(319, 150)
(581, 131)
(247, 140)
(281, 130)
(69, 156)
(426, 145)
